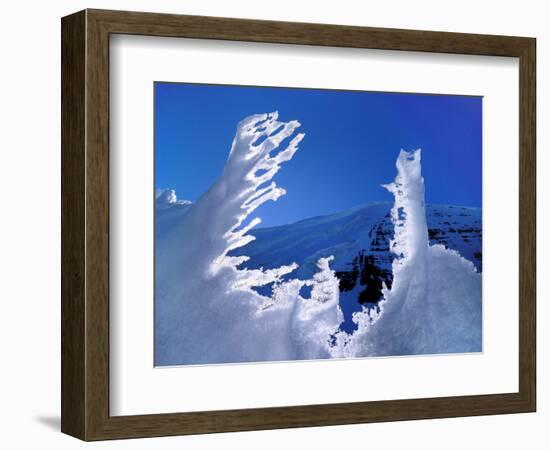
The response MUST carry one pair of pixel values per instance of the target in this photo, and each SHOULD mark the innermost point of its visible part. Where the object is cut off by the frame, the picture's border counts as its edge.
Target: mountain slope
(359, 240)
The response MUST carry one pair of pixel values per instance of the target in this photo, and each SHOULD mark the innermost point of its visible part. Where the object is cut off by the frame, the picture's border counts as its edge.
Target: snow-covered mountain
(358, 238)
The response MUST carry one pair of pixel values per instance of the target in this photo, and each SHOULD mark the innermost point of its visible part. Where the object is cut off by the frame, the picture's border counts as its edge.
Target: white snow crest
(243, 185)
(167, 198)
(408, 213)
(207, 308)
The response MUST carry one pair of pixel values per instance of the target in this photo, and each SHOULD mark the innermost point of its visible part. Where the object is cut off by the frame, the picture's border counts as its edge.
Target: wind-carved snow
(434, 305)
(207, 310)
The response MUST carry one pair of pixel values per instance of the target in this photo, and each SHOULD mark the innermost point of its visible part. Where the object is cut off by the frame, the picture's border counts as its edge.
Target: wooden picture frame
(85, 224)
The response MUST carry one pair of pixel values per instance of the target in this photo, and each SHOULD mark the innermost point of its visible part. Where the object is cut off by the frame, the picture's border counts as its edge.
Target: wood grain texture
(527, 224)
(73, 226)
(85, 224)
(151, 24)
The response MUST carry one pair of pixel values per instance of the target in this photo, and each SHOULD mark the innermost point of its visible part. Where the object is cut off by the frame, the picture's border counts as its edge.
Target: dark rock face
(368, 275)
(457, 228)
(371, 268)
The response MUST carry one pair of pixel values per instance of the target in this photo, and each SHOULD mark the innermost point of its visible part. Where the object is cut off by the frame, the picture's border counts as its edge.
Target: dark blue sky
(351, 144)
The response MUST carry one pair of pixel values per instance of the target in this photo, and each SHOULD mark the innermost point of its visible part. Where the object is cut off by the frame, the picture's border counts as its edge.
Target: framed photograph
(272, 225)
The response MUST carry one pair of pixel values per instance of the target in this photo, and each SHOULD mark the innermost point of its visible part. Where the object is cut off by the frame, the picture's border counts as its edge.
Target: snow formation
(434, 305)
(208, 309)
